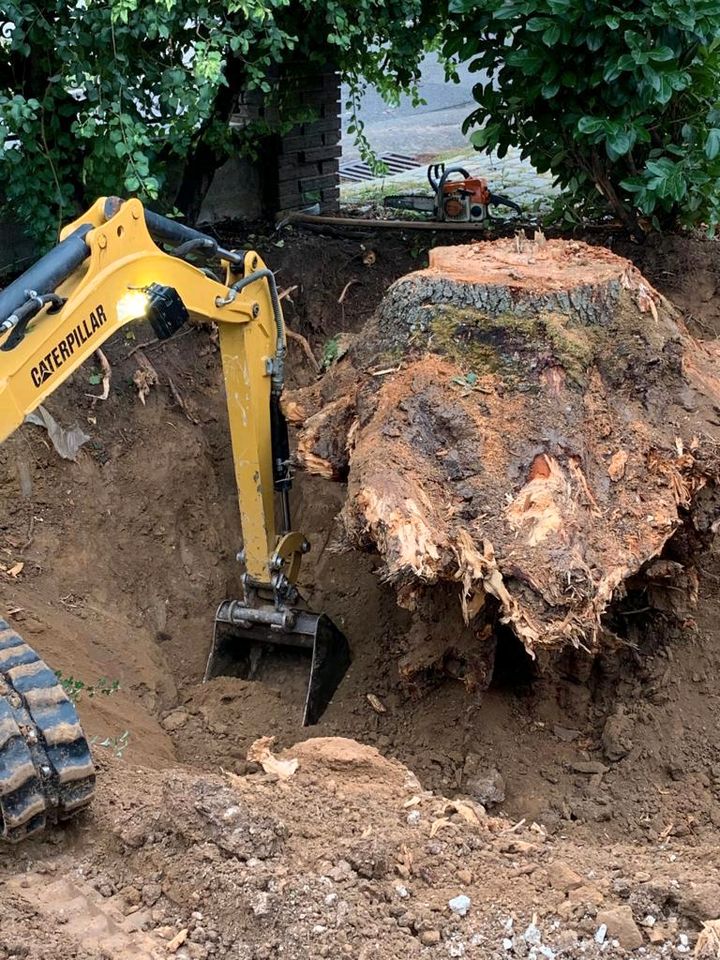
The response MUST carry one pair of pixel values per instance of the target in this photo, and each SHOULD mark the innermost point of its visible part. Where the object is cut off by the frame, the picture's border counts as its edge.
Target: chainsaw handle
(445, 174)
(498, 200)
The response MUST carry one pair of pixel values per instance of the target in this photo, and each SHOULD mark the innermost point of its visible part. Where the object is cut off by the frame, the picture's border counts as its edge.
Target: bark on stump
(522, 427)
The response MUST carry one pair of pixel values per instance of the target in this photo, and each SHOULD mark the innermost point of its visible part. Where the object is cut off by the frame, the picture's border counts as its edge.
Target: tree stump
(522, 427)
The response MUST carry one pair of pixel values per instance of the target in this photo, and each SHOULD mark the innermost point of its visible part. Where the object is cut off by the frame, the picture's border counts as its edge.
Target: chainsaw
(456, 201)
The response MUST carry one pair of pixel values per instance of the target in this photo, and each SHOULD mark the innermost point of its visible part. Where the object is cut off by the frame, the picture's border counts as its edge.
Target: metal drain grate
(395, 162)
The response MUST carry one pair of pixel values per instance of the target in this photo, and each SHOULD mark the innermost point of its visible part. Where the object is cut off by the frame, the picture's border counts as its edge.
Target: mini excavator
(117, 263)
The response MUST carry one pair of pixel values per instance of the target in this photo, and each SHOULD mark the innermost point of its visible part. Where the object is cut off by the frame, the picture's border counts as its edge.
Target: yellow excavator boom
(106, 292)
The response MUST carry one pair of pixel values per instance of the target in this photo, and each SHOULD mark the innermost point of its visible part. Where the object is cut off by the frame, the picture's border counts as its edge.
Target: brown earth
(126, 553)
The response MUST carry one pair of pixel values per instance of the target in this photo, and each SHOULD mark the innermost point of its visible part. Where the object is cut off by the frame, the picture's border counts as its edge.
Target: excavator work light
(166, 311)
(132, 306)
(160, 304)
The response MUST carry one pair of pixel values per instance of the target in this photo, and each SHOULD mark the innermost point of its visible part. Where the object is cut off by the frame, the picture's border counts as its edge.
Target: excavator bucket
(264, 643)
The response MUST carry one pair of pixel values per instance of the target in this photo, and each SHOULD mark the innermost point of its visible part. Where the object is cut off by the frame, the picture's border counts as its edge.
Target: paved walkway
(434, 132)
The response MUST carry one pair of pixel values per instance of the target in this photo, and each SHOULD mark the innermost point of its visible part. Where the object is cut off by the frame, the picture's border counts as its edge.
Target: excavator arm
(107, 271)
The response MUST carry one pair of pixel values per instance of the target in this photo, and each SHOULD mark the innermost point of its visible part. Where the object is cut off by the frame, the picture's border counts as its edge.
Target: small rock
(588, 766)
(487, 788)
(565, 733)
(563, 877)
(699, 901)
(413, 818)
(151, 893)
(617, 735)
(428, 938)
(460, 904)
(566, 941)
(601, 933)
(465, 877)
(260, 904)
(131, 895)
(341, 871)
(621, 927)
(587, 894)
(175, 720)
(177, 941)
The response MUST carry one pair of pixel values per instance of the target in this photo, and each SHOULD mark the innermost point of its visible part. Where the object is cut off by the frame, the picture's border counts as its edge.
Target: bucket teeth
(46, 769)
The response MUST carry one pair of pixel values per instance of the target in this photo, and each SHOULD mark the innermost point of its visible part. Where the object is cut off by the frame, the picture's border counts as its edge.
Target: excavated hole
(515, 670)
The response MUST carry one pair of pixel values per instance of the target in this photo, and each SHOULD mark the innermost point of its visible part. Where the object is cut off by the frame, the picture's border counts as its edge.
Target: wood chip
(616, 467)
(16, 570)
(464, 810)
(178, 940)
(106, 377)
(145, 377)
(260, 752)
(440, 824)
(376, 703)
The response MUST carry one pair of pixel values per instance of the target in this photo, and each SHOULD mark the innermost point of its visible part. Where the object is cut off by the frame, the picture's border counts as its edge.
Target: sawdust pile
(522, 427)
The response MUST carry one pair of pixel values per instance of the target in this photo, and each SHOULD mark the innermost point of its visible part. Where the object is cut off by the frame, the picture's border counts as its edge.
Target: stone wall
(301, 168)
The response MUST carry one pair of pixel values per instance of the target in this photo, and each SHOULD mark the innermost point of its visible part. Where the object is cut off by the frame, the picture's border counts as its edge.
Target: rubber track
(46, 769)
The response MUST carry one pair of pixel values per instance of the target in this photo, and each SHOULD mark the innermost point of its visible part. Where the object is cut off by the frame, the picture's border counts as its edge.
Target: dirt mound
(251, 867)
(362, 768)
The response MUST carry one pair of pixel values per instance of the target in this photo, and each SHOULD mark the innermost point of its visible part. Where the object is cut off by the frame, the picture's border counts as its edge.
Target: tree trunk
(207, 153)
(522, 426)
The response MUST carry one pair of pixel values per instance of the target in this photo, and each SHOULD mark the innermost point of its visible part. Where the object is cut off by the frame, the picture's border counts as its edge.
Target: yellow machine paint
(124, 258)
(112, 283)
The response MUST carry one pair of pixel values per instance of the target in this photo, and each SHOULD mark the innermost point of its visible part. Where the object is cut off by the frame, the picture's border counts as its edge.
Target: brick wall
(300, 168)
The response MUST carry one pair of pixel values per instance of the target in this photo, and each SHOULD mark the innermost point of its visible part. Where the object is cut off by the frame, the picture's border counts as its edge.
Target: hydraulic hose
(48, 273)
(278, 374)
(172, 231)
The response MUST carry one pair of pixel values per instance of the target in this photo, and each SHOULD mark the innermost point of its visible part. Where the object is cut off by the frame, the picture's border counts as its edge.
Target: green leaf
(590, 125)
(712, 143)
(662, 54)
(551, 35)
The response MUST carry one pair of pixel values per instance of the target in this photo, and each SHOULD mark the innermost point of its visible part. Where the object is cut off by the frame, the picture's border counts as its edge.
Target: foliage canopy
(125, 96)
(621, 96)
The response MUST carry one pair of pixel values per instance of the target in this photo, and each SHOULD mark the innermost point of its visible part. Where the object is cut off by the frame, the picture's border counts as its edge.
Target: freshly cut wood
(522, 427)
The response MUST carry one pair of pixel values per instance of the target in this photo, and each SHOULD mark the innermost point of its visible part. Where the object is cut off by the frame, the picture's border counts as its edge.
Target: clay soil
(608, 828)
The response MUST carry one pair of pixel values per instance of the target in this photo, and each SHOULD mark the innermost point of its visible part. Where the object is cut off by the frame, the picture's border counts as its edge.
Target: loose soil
(611, 765)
